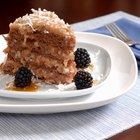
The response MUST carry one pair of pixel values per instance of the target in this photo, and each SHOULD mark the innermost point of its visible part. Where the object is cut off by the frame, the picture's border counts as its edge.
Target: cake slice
(42, 42)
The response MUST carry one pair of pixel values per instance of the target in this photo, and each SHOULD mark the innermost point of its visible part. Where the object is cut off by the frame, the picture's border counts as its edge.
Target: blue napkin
(132, 29)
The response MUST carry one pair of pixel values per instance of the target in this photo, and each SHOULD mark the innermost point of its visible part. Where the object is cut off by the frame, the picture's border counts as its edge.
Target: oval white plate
(122, 77)
(102, 65)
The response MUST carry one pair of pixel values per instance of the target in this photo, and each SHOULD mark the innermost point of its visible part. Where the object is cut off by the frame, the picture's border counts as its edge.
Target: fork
(118, 33)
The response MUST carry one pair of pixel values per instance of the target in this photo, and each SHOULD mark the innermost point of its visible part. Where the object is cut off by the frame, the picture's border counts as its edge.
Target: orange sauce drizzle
(33, 87)
(91, 67)
(95, 81)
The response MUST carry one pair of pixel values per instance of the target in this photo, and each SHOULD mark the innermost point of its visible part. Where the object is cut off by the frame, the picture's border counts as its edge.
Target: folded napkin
(132, 29)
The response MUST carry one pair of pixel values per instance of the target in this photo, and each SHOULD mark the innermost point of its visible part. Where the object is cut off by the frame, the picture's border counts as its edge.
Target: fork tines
(116, 31)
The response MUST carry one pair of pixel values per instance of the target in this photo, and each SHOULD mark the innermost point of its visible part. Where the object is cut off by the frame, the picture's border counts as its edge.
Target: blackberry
(23, 77)
(82, 58)
(83, 80)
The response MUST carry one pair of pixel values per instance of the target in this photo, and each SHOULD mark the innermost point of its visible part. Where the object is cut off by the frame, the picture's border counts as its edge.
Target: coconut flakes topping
(43, 20)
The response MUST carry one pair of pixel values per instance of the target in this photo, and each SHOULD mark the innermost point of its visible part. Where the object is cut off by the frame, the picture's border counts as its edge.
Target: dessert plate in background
(122, 77)
(100, 69)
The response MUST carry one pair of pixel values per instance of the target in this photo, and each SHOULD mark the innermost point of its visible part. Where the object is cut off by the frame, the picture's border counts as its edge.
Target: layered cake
(42, 42)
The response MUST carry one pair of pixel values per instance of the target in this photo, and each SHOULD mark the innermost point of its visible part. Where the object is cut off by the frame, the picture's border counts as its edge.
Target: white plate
(102, 66)
(122, 77)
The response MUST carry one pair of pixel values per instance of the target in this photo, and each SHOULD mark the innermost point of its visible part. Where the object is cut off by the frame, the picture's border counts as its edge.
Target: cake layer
(48, 75)
(11, 65)
(64, 42)
(42, 46)
(25, 57)
(52, 76)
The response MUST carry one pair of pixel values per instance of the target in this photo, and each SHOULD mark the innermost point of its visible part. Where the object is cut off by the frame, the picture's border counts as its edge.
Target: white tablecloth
(93, 124)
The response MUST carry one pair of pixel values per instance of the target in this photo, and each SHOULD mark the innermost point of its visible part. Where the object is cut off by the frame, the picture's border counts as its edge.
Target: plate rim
(57, 93)
(90, 104)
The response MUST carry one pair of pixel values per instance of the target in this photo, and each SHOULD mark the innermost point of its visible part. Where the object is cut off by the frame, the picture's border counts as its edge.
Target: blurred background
(71, 11)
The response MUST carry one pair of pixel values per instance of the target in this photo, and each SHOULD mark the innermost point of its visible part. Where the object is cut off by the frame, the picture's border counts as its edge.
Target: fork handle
(136, 45)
